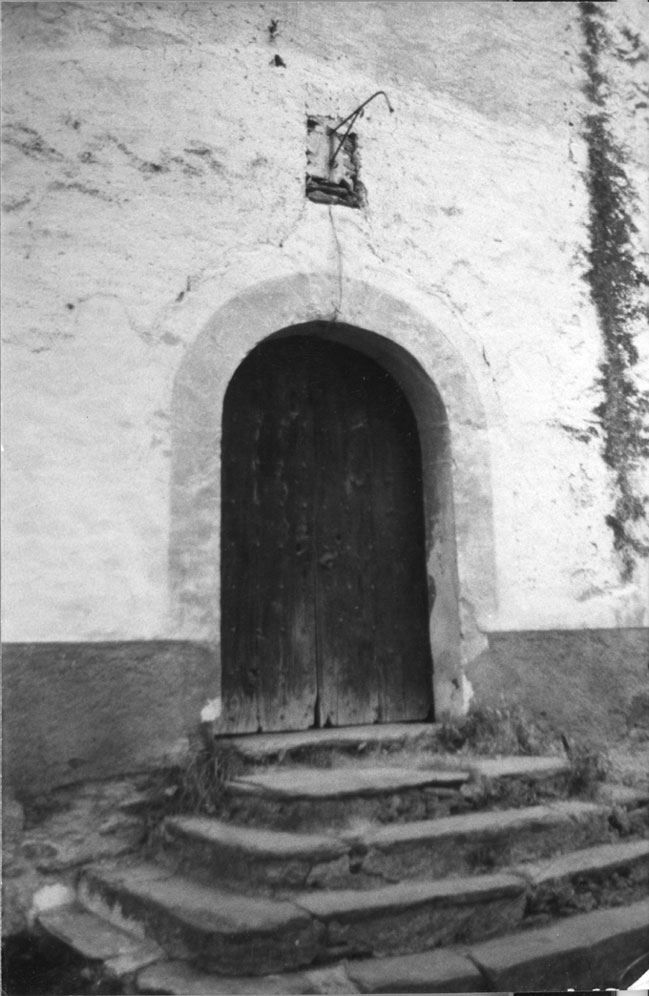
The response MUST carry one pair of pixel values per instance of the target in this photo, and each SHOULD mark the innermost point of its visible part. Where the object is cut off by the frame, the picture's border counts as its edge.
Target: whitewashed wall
(155, 165)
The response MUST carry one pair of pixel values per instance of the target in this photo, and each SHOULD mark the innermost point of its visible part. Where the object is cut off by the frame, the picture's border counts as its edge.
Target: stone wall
(155, 161)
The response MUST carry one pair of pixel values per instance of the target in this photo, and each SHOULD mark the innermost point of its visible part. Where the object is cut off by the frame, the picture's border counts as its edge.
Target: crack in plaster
(339, 264)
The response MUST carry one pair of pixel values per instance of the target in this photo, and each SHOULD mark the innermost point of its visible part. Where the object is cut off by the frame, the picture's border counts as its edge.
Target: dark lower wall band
(75, 711)
(590, 683)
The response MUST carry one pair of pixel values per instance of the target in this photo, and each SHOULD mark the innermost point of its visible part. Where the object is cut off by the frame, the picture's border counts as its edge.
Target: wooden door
(324, 596)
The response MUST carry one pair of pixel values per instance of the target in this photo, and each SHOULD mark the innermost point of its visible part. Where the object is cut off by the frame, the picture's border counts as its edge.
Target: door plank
(345, 610)
(287, 633)
(240, 539)
(403, 648)
(268, 636)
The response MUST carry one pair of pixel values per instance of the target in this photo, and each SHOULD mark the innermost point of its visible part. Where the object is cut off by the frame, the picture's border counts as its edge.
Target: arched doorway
(324, 599)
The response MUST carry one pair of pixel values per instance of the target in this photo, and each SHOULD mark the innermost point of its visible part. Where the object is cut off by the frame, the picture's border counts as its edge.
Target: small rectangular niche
(326, 183)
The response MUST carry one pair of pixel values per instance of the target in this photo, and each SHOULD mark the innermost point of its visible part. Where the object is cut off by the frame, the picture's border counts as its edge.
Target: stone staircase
(361, 860)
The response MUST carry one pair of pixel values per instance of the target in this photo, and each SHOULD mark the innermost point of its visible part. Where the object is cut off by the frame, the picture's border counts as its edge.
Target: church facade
(325, 370)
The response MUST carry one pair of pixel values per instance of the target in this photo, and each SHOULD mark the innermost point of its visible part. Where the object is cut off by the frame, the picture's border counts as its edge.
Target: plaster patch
(211, 711)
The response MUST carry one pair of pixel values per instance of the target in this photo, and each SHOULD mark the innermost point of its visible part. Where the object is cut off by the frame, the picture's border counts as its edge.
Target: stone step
(177, 978)
(516, 766)
(304, 798)
(306, 745)
(228, 932)
(478, 842)
(254, 858)
(588, 951)
(587, 879)
(517, 780)
(310, 798)
(413, 916)
(217, 930)
(97, 940)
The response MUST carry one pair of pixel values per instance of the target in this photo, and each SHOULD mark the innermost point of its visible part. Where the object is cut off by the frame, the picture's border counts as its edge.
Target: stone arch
(452, 425)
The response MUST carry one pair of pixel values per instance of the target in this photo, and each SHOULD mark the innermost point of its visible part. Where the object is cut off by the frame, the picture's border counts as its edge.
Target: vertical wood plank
(345, 608)
(287, 633)
(240, 539)
(268, 635)
(404, 667)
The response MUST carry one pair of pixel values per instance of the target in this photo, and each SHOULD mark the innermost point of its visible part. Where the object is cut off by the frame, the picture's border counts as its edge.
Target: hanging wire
(352, 118)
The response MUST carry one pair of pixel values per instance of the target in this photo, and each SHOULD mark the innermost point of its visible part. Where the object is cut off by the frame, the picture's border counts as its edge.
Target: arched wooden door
(324, 597)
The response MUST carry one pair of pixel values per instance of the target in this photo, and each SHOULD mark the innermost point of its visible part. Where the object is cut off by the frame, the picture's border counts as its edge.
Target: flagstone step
(217, 930)
(254, 858)
(522, 766)
(480, 841)
(588, 951)
(413, 916)
(586, 879)
(310, 798)
(177, 978)
(97, 940)
(316, 784)
(231, 933)
(438, 971)
(303, 745)
(304, 798)
(516, 780)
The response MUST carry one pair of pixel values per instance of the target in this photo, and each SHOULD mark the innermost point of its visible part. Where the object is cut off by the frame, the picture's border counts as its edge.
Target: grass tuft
(195, 786)
(492, 730)
(589, 767)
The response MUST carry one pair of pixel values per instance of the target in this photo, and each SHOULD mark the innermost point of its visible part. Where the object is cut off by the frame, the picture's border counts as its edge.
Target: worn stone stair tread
(516, 766)
(201, 906)
(586, 951)
(257, 842)
(587, 861)
(97, 940)
(478, 824)
(220, 931)
(469, 842)
(177, 978)
(626, 795)
(441, 970)
(265, 745)
(354, 904)
(312, 783)
(589, 950)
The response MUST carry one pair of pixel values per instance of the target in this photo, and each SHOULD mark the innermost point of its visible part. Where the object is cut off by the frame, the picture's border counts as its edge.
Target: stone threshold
(260, 747)
(342, 783)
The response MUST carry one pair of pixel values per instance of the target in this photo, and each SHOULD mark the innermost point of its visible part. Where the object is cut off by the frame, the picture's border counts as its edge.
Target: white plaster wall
(154, 169)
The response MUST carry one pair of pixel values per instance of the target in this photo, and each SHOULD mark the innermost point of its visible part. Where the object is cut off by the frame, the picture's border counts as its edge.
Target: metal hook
(352, 118)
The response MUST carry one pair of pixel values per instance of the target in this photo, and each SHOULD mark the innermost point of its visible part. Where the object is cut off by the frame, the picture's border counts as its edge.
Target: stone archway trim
(461, 560)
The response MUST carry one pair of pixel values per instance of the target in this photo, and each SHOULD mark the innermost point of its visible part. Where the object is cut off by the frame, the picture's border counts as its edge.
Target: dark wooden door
(324, 596)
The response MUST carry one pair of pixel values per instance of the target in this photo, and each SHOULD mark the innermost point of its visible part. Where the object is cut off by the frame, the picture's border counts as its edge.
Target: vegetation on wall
(618, 288)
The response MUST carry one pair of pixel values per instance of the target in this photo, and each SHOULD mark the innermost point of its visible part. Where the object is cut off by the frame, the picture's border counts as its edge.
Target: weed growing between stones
(195, 786)
(589, 767)
(492, 730)
(480, 794)
(629, 822)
